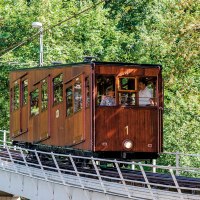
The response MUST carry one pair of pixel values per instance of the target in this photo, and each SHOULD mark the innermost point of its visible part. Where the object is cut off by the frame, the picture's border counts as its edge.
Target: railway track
(131, 177)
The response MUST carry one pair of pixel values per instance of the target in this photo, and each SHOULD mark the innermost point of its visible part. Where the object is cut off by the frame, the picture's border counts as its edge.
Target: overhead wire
(16, 45)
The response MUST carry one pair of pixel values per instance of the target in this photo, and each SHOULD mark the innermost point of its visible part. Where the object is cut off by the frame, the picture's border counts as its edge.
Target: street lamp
(39, 26)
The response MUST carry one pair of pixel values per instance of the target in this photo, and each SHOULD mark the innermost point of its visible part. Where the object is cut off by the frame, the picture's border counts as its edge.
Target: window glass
(44, 95)
(58, 89)
(87, 92)
(69, 101)
(24, 92)
(127, 98)
(34, 102)
(16, 97)
(127, 83)
(105, 90)
(147, 91)
(77, 95)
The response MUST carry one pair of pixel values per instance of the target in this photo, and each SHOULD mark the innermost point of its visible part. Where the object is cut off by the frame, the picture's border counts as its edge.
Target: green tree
(167, 32)
(149, 31)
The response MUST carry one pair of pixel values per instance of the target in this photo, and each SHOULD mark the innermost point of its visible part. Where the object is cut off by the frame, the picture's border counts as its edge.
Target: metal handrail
(110, 161)
(4, 131)
(14, 151)
(182, 154)
(4, 136)
(15, 159)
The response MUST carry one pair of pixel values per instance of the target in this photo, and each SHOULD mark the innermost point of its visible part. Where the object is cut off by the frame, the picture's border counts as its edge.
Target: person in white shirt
(145, 96)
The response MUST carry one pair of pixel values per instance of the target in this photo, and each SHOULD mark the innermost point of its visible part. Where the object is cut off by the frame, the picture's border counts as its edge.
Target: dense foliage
(149, 31)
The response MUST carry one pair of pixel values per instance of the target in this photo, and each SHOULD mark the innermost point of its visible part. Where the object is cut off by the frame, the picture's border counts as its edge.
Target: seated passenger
(108, 99)
(145, 96)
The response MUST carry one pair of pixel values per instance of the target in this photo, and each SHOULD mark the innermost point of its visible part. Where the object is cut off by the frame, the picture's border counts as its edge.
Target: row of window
(73, 95)
(126, 93)
(112, 90)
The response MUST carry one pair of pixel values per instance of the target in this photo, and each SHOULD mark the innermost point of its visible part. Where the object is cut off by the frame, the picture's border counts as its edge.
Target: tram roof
(92, 63)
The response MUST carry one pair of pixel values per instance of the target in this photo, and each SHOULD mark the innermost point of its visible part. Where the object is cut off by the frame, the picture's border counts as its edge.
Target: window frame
(71, 83)
(87, 92)
(47, 93)
(72, 99)
(99, 96)
(23, 86)
(119, 85)
(38, 104)
(81, 88)
(14, 95)
(57, 86)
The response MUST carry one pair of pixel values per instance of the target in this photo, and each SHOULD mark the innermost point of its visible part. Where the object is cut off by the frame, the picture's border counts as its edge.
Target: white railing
(5, 136)
(65, 169)
(183, 159)
(176, 156)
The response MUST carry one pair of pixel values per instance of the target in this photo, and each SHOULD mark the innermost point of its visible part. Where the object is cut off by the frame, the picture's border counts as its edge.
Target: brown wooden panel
(45, 114)
(151, 71)
(74, 124)
(44, 130)
(67, 75)
(100, 135)
(106, 129)
(40, 75)
(15, 123)
(119, 71)
(87, 127)
(57, 125)
(85, 117)
(69, 130)
(78, 134)
(14, 76)
(146, 130)
(24, 117)
(34, 128)
(74, 129)
(131, 71)
(114, 125)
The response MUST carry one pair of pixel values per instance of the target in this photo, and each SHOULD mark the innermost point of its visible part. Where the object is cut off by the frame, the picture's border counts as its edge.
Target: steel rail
(89, 174)
(54, 167)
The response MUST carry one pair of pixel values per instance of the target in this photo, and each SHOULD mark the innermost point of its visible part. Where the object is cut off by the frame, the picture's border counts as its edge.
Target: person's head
(110, 92)
(142, 84)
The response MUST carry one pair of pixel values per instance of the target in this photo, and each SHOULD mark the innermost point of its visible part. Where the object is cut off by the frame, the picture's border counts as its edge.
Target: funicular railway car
(97, 107)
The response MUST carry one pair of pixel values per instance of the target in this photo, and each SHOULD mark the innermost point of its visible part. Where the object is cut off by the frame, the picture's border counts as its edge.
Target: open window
(16, 97)
(87, 92)
(74, 97)
(77, 95)
(69, 101)
(44, 96)
(105, 90)
(58, 89)
(147, 91)
(151, 86)
(34, 97)
(24, 92)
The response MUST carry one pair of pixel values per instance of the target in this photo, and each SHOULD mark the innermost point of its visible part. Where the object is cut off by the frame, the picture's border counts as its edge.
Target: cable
(75, 15)
(16, 45)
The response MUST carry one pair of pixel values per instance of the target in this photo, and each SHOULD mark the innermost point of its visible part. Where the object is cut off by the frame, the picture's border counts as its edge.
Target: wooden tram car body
(61, 106)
